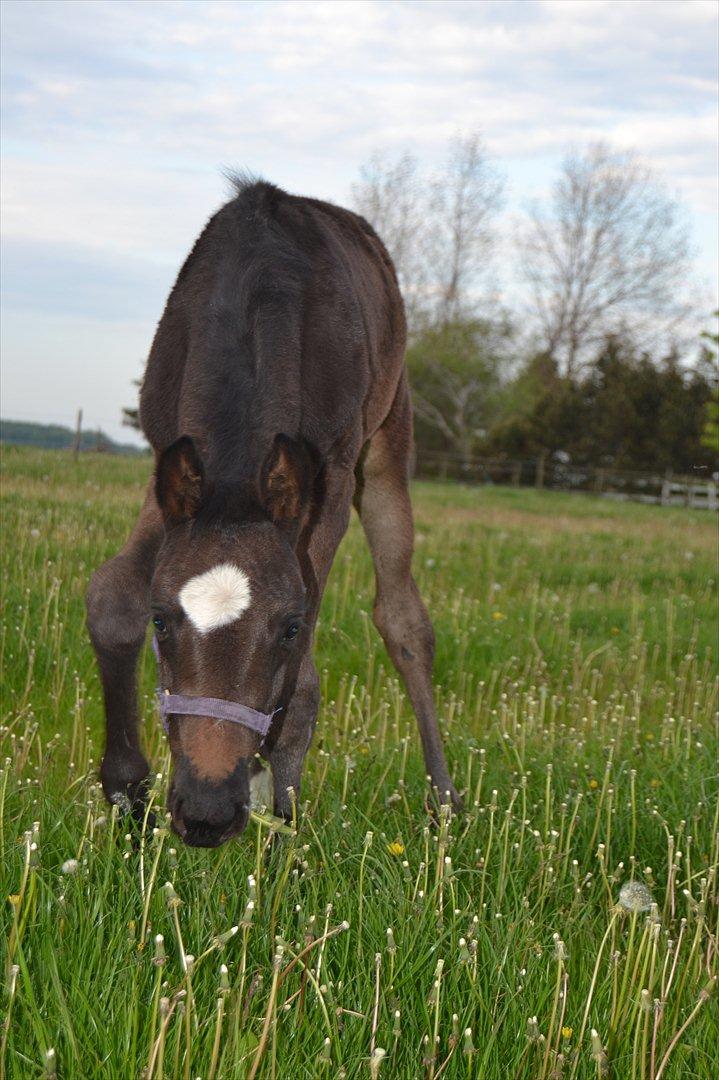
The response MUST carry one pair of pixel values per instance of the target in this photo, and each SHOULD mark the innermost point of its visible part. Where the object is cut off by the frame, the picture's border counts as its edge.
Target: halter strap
(218, 708)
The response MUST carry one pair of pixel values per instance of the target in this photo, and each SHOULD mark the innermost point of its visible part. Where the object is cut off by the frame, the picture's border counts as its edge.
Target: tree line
(598, 360)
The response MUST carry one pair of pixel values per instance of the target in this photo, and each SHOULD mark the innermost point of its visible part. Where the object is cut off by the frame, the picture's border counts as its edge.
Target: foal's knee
(116, 607)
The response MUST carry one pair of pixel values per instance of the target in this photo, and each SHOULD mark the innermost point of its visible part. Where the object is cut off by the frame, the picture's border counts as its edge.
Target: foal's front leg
(316, 556)
(288, 753)
(117, 615)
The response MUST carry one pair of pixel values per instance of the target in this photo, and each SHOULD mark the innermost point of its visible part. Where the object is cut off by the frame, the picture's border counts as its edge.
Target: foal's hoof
(126, 783)
(447, 796)
(131, 802)
(456, 800)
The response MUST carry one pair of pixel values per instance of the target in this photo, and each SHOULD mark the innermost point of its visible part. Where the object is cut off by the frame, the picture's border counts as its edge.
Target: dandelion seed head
(635, 896)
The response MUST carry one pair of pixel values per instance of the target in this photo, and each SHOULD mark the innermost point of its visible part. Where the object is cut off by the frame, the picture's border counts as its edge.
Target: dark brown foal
(274, 396)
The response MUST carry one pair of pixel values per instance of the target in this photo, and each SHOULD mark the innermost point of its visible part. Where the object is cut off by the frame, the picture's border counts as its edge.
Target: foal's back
(286, 316)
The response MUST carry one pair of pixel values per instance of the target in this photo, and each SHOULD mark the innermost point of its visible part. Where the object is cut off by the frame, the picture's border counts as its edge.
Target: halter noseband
(218, 708)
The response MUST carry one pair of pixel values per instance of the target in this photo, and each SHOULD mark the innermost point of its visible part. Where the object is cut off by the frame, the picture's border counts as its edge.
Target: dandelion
(173, 900)
(375, 1061)
(396, 848)
(498, 616)
(567, 1032)
(159, 957)
(221, 940)
(598, 1052)
(593, 784)
(635, 896)
(50, 1071)
(70, 866)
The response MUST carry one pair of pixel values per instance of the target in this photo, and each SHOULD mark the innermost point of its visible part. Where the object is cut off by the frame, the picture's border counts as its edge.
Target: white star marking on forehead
(216, 598)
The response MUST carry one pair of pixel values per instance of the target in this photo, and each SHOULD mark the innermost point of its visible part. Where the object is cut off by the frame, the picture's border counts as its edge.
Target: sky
(119, 118)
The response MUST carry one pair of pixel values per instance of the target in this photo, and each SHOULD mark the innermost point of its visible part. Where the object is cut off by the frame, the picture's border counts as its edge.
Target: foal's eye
(159, 623)
(292, 631)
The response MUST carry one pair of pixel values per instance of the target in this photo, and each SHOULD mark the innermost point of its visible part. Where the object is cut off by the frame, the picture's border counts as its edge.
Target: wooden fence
(701, 492)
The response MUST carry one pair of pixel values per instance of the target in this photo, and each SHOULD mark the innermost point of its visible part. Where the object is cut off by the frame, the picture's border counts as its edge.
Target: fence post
(712, 501)
(667, 488)
(516, 474)
(78, 435)
(539, 477)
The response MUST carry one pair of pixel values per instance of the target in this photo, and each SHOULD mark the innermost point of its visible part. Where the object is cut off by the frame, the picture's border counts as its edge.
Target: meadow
(563, 925)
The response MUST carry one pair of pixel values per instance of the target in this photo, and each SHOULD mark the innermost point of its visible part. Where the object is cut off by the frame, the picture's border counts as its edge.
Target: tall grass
(565, 925)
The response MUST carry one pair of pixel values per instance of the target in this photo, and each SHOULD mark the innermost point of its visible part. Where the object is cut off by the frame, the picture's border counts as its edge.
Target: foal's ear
(179, 481)
(287, 482)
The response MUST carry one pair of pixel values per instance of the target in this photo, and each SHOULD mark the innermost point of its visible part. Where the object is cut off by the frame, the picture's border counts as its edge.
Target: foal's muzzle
(206, 814)
(210, 834)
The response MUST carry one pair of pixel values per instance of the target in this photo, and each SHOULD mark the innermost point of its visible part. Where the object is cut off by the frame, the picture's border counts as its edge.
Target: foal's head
(228, 607)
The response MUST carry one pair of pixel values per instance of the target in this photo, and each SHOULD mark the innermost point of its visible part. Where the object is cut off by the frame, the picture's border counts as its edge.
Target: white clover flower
(635, 896)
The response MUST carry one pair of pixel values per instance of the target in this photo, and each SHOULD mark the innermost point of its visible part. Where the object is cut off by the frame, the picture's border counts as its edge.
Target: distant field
(576, 682)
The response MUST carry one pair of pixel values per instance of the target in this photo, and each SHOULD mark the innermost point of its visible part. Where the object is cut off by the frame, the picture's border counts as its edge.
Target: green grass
(575, 673)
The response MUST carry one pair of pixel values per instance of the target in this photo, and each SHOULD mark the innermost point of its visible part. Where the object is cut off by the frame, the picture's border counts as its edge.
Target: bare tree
(608, 252)
(389, 195)
(464, 200)
(438, 230)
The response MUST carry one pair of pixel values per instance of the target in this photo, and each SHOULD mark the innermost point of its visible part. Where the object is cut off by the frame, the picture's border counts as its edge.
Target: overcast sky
(118, 118)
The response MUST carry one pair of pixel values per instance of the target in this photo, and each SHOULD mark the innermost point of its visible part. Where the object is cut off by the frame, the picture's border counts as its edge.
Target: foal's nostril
(202, 833)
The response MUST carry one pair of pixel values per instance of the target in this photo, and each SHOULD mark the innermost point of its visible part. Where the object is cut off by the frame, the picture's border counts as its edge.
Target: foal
(275, 396)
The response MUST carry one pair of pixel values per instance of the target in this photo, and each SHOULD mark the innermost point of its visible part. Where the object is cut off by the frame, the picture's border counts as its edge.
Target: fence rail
(545, 472)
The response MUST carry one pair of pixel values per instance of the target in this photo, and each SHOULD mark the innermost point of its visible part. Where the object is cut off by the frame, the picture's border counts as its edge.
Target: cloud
(76, 280)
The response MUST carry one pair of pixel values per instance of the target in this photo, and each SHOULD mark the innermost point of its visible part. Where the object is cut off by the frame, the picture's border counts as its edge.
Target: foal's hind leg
(384, 507)
(117, 615)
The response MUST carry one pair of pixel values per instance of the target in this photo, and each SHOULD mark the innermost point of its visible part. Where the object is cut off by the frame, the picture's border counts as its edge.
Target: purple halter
(218, 708)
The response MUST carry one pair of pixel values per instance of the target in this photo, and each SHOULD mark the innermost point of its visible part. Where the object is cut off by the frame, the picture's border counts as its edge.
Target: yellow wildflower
(567, 1032)
(498, 616)
(593, 784)
(396, 848)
